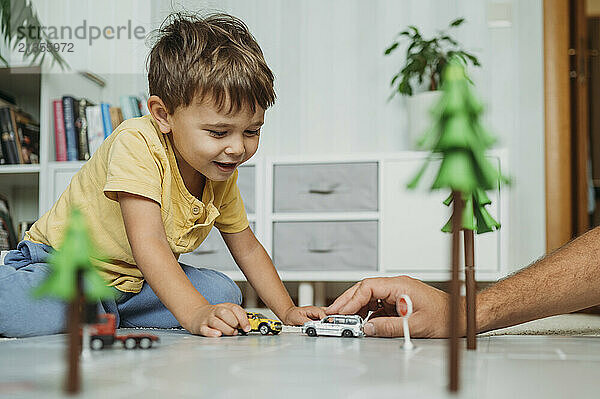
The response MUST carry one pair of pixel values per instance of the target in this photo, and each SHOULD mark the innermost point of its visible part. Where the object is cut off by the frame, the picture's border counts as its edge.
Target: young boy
(156, 187)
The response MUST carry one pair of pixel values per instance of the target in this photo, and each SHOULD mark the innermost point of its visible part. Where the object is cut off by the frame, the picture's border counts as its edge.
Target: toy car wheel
(96, 344)
(130, 343)
(311, 332)
(242, 332)
(264, 329)
(145, 343)
(347, 334)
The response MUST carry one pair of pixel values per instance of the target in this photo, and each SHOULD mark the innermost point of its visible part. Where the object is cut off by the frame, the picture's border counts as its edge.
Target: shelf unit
(20, 183)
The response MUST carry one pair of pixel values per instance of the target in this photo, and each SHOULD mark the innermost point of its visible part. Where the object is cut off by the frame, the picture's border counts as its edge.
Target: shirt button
(195, 210)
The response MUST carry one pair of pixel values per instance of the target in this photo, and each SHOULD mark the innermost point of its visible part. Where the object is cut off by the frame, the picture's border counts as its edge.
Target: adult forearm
(564, 281)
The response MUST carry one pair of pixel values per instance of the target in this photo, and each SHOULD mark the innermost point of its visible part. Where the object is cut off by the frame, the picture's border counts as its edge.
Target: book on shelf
(130, 107)
(106, 121)
(60, 139)
(116, 116)
(10, 146)
(29, 135)
(19, 136)
(80, 126)
(69, 110)
(95, 127)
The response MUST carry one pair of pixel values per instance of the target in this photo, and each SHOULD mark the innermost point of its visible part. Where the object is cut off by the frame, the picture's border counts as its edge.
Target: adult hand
(431, 307)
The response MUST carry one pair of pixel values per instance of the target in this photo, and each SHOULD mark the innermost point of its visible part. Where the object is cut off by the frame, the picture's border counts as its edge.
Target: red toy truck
(103, 333)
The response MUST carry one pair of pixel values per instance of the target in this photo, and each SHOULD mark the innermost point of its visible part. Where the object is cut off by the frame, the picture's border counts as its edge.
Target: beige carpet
(567, 324)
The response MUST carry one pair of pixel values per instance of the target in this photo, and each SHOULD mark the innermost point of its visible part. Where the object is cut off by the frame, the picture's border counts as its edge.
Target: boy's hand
(220, 319)
(296, 316)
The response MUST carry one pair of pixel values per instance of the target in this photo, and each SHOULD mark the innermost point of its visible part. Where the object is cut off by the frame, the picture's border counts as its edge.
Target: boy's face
(214, 143)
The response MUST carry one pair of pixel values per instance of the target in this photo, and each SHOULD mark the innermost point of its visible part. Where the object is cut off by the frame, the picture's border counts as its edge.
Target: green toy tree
(458, 138)
(74, 279)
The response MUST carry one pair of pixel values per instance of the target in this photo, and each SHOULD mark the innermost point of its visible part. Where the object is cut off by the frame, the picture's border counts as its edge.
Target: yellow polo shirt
(138, 159)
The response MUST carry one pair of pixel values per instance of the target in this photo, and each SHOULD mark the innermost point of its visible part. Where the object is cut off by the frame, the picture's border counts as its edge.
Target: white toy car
(336, 325)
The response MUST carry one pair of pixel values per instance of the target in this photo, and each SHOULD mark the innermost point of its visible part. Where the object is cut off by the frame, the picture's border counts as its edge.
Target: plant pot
(419, 116)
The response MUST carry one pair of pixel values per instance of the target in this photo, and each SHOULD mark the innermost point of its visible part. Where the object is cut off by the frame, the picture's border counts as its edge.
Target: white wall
(332, 82)
(332, 79)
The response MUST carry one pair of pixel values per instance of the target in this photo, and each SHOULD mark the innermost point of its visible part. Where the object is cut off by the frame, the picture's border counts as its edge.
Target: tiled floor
(292, 365)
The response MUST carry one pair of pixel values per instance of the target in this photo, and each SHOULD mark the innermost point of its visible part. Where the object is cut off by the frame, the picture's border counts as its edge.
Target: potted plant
(15, 14)
(426, 58)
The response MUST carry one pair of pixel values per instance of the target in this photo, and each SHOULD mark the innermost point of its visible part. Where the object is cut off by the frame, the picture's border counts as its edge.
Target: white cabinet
(59, 174)
(412, 240)
(360, 222)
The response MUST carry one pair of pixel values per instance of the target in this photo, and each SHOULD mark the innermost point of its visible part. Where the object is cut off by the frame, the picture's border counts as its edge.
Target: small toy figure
(262, 324)
(335, 325)
(406, 310)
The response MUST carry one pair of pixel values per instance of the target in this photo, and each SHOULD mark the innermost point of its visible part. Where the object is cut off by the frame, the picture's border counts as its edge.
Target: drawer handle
(320, 250)
(323, 188)
(319, 247)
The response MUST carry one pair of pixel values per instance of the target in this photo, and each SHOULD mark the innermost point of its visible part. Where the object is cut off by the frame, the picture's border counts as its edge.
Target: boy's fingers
(241, 316)
(218, 324)
(384, 327)
(229, 316)
(341, 300)
(209, 332)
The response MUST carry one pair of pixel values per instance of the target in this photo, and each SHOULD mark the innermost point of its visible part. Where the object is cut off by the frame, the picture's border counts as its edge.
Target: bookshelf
(30, 188)
(20, 183)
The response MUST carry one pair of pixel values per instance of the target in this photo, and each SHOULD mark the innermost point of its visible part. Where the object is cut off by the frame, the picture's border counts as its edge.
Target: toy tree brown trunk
(70, 265)
(471, 288)
(73, 383)
(455, 291)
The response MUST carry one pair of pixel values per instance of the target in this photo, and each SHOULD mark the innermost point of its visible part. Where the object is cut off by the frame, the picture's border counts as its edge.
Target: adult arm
(564, 281)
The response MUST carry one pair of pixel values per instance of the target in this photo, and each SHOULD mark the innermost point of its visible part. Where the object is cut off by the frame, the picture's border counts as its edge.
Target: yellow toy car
(260, 323)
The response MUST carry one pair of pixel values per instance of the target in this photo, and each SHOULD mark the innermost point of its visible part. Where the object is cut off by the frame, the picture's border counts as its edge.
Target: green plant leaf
(472, 58)
(415, 30)
(426, 58)
(391, 48)
(457, 22)
(21, 13)
(449, 40)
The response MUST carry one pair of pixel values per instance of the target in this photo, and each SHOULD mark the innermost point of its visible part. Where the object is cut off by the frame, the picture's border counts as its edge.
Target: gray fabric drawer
(343, 187)
(212, 253)
(325, 246)
(245, 182)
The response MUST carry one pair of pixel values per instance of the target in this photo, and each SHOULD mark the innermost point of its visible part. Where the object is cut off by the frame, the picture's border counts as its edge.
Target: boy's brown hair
(213, 56)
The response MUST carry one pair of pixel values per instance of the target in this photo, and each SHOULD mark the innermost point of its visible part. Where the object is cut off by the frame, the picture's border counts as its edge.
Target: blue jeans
(21, 315)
